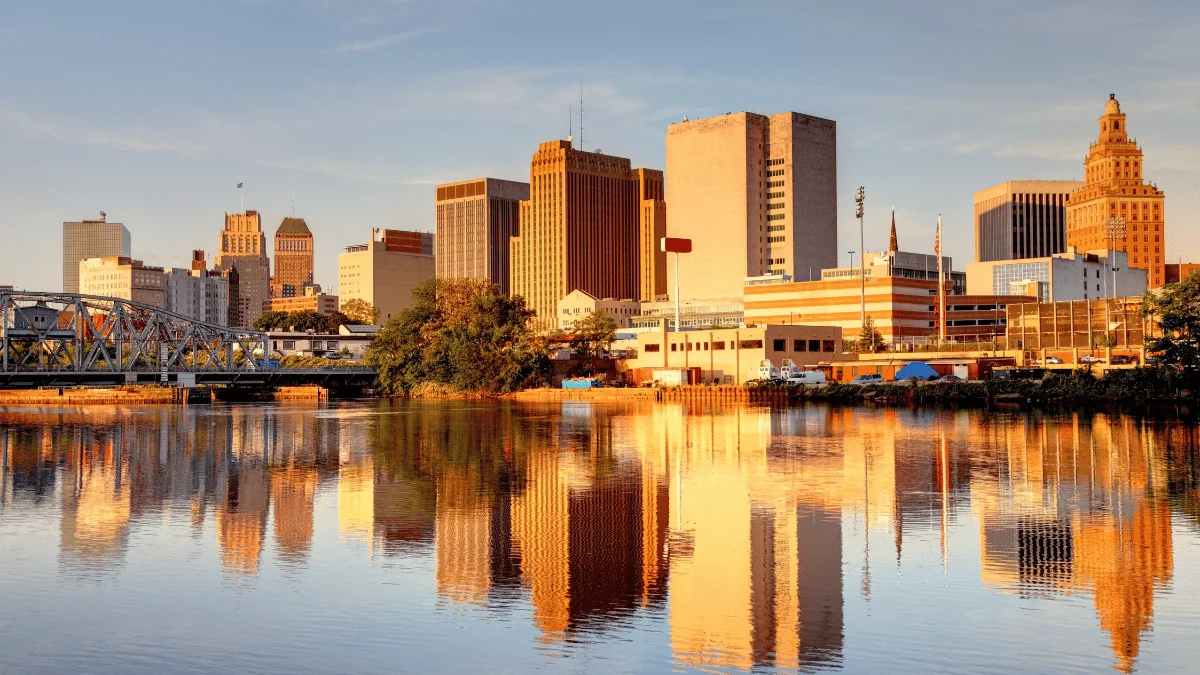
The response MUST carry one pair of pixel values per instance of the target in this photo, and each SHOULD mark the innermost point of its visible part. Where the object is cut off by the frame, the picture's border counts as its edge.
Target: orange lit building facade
(1115, 187)
(579, 229)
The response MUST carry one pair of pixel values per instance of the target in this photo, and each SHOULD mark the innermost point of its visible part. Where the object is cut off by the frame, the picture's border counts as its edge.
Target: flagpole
(941, 285)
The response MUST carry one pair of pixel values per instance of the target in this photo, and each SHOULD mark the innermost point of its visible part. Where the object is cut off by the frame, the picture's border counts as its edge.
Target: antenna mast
(571, 126)
(581, 116)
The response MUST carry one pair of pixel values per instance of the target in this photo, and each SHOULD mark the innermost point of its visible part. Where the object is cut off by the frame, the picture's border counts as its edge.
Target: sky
(350, 111)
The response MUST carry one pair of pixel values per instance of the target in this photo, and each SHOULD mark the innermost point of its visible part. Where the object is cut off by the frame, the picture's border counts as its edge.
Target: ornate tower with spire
(893, 244)
(1114, 187)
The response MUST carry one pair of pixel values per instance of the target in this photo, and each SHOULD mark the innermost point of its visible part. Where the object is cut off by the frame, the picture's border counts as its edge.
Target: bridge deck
(349, 376)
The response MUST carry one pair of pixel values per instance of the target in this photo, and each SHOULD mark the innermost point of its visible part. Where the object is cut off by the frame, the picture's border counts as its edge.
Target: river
(503, 537)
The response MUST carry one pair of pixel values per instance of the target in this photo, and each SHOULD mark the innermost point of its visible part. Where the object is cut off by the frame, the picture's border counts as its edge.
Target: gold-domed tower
(1114, 187)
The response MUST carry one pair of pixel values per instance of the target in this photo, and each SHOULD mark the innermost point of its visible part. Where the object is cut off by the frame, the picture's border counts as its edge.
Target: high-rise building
(122, 277)
(311, 300)
(1022, 219)
(91, 239)
(756, 195)
(293, 258)
(1115, 188)
(652, 227)
(244, 248)
(579, 230)
(475, 220)
(385, 271)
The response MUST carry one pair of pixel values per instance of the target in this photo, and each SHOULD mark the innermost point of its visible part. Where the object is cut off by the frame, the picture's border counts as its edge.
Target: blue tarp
(918, 369)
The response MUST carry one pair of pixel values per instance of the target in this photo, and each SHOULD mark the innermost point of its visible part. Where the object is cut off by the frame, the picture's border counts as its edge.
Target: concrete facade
(244, 247)
(733, 355)
(197, 294)
(577, 305)
(1070, 275)
(120, 277)
(901, 264)
(579, 229)
(1022, 219)
(293, 258)
(1115, 187)
(385, 271)
(755, 194)
(475, 221)
(91, 239)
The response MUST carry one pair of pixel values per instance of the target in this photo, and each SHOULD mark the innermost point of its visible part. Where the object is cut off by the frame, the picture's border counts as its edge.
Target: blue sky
(152, 111)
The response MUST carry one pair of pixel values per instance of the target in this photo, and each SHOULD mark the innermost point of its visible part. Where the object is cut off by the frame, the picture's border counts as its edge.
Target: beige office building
(756, 195)
(91, 239)
(579, 230)
(1021, 219)
(244, 248)
(385, 271)
(123, 277)
(733, 355)
(578, 305)
(475, 221)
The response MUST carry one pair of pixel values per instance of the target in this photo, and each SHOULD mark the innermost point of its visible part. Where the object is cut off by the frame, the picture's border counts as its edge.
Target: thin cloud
(387, 40)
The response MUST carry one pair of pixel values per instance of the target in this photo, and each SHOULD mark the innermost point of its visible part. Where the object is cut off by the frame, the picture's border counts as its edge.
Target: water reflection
(746, 533)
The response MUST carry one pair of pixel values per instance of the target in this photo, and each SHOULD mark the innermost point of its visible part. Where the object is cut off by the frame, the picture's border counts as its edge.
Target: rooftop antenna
(571, 126)
(581, 117)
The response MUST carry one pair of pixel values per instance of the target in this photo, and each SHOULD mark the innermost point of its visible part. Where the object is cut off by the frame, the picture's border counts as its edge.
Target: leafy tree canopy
(869, 339)
(360, 311)
(594, 332)
(1176, 309)
(462, 333)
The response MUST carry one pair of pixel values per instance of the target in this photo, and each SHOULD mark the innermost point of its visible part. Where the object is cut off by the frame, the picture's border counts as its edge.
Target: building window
(826, 345)
(289, 344)
(673, 347)
(799, 346)
(316, 344)
(719, 345)
(779, 345)
(651, 348)
(750, 344)
(814, 345)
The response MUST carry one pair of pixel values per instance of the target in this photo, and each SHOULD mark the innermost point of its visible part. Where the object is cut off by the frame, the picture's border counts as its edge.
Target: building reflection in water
(751, 519)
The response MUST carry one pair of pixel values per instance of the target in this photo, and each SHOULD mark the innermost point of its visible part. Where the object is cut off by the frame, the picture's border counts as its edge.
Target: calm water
(572, 537)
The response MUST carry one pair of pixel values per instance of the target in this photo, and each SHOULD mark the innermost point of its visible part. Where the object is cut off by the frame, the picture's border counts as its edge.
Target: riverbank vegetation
(460, 336)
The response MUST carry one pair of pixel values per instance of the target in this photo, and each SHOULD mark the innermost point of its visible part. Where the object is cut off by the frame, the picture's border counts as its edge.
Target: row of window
(776, 228)
(777, 216)
(775, 205)
(776, 240)
(778, 345)
(776, 172)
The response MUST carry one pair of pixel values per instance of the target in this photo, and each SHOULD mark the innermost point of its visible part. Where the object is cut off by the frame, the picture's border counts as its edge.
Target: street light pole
(851, 257)
(1115, 228)
(862, 239)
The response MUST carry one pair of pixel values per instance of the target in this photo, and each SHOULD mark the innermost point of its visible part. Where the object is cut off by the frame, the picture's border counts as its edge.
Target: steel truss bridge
(68, 339)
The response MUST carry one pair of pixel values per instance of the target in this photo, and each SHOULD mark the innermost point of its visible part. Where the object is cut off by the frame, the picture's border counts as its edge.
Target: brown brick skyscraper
(293, 258)
(579, 229)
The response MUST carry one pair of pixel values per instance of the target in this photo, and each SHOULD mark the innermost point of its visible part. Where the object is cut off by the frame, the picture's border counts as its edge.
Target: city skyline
(164, 160)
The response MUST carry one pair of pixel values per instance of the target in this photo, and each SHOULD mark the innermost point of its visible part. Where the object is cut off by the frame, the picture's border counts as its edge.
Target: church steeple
(893, 245)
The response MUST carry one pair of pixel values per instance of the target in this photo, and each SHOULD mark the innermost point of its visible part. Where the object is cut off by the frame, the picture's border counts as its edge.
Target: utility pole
(862, 239)
(1115, 229)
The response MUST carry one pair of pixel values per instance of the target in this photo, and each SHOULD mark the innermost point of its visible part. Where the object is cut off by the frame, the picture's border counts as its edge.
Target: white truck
(789, 372)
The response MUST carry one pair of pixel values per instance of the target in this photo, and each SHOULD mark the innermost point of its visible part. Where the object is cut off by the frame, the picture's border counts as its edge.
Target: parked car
(871, 378)
(949, 378)
(1088, 358)
(1124, 359)
(806, 377)
(1050, 360)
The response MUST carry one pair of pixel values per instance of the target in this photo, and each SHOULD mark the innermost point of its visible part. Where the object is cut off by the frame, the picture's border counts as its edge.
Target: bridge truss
(85, 335)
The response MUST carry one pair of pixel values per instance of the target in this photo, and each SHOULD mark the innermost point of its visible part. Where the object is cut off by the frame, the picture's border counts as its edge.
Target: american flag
(937, 242)
(239, 186)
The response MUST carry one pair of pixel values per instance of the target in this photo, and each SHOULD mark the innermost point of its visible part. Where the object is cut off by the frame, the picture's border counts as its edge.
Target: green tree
(271, 321)
(1176, 310)
(594, 332)
(869, 339)
(462, 333)
(335, 321)
(360, 311)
